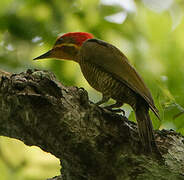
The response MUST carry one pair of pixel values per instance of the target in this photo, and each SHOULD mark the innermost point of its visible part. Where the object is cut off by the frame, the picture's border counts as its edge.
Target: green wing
(112, 60)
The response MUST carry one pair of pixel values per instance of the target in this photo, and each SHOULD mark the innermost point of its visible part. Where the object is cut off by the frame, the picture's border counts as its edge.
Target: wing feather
(112, 60)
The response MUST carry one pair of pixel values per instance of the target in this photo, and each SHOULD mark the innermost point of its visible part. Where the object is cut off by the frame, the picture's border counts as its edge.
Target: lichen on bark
(91, 143)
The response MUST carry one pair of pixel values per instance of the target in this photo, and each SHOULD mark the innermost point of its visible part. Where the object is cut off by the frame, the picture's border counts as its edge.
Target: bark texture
(91, 143)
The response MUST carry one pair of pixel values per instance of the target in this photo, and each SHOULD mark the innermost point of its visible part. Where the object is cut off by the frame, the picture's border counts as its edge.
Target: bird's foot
(115, 110)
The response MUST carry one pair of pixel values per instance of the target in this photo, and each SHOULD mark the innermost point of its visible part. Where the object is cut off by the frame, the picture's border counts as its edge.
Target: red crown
(79, 37)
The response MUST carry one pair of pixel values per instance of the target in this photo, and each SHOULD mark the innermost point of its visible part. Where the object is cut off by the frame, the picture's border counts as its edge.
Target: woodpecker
(108, 71)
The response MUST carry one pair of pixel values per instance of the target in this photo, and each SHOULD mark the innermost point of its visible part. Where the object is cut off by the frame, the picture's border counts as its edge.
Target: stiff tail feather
(145, 127)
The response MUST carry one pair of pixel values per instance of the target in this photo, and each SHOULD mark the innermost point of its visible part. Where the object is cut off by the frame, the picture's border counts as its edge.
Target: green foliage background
(150, 33)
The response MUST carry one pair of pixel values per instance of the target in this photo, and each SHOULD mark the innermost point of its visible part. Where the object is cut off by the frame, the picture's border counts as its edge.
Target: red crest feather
(79, 37)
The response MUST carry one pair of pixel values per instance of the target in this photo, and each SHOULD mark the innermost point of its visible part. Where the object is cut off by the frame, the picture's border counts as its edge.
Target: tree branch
(91, 143)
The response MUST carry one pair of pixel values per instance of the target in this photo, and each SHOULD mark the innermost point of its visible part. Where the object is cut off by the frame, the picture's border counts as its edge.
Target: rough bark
(91, 143)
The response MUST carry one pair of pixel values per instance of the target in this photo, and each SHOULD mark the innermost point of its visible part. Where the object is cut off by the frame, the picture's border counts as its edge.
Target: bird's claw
(115, 110)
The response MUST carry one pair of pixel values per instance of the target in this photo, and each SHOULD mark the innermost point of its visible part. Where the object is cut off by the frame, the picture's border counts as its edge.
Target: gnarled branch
(91, 143)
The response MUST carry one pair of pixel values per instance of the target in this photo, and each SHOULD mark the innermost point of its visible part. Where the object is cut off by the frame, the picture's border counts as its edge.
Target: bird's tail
(145, 127)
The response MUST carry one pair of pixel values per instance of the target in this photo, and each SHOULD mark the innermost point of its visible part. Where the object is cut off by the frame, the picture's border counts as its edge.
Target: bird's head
(67, 46)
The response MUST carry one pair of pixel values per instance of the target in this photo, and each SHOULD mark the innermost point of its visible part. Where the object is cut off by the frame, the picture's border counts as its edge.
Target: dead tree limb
(91, 143)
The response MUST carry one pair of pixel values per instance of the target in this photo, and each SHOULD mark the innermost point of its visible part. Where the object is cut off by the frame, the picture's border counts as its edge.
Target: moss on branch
(91, 143)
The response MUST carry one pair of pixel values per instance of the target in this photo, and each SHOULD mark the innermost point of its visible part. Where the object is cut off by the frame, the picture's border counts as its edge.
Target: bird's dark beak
(45, 55)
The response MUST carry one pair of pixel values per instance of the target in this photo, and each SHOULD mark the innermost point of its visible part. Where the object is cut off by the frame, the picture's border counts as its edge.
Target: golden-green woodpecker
(108, 70)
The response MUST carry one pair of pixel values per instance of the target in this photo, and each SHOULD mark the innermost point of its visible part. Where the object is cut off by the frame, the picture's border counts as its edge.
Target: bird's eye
(59, 41)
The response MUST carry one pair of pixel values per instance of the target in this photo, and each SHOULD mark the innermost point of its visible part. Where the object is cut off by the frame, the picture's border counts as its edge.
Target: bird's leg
(103, 100)
(116, 105)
